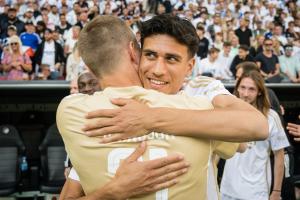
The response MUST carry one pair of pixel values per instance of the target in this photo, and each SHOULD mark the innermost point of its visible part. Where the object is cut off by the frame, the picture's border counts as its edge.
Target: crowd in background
(38, 38)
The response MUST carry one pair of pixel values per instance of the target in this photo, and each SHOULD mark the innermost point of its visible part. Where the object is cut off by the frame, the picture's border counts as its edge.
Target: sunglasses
(14, 43)
(268, 44)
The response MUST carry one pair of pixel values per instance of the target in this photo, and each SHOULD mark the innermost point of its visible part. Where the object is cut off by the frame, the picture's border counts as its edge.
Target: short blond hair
(101, 43)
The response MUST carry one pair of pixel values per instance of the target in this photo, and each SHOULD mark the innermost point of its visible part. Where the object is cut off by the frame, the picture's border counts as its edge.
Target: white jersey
(247, 176)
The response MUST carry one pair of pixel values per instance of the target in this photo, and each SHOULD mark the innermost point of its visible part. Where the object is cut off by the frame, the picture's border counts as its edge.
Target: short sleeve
(206, 86)
(225, 150)
(278, 137)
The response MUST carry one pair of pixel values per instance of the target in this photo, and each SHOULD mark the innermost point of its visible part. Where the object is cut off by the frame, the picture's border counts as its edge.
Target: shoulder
(274, 119)
(201, 81)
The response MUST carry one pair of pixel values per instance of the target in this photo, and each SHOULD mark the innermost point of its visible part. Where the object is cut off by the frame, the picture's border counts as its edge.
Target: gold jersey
(96, 163)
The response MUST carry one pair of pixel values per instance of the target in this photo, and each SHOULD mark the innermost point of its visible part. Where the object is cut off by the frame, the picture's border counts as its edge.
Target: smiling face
(164, 64)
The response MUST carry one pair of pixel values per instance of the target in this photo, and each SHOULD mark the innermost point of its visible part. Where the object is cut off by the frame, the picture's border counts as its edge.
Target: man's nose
(159, 67)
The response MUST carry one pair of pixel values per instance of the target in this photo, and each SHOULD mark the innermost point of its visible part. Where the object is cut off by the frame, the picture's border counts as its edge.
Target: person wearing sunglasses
(268, 62)
(16, 64)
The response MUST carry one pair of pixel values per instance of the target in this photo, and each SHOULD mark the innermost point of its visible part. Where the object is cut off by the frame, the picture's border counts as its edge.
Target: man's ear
(133, 53)
(190, 67)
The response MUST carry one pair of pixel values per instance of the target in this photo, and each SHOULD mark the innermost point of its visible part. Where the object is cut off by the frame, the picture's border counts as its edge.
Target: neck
(124, 75)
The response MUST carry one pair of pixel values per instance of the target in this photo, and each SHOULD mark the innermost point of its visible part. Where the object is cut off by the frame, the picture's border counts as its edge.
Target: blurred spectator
(259, 30)
(83, 17)
(51, 53)
(215, 27)
(75, 64)
(267, 61)
(244, 33)
(243, 56)
(11, 30)
(16, 64)
(208, 66)
(40, 29)
(54, 15)
(73, 86)
(278, 34)
(28, 16)
(225, 59)
(72, 15)
(63, 25)
(203, 42)
(234, 45)
(218, 43)
(290, 65)
(11, 19)
(30, 38)
(291, 32)
(71, 39)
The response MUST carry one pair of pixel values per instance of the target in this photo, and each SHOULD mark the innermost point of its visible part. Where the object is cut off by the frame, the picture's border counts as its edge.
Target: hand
(152, 176)
(294, 129)
(275, 195)
(130, 120)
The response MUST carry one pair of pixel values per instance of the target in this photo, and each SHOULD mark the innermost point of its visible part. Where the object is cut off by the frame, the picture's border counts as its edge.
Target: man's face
(268, 45)
(88, 84)
(226, 49)
(248, 90)
(289, 51)
(48, 36)
(164, 64)
(12, 14)
(242, 53)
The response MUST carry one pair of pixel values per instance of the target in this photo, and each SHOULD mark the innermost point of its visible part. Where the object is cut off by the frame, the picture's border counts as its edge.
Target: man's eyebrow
(148, 51)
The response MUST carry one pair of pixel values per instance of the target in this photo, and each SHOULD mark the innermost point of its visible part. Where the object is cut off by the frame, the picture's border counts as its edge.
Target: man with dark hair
(243, 56)
(267, 61)
(87, 83)
(11, 19)
(203, 42)
(244, 33)
(51, 53)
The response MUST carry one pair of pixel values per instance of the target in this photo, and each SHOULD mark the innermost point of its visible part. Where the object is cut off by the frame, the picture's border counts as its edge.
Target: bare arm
(153, 175)
(294, 129)
(232, 120)
(278, 174)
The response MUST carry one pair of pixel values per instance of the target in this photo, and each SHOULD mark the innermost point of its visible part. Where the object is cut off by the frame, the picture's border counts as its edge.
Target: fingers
(103, 131)
(297, 139)
(292, 125)
(102, 113)
(161, 162)
(112, 138)
(167, 172)
(138, 152)
(162, 186)
(120, 101)
(168, 177)
(97, 123)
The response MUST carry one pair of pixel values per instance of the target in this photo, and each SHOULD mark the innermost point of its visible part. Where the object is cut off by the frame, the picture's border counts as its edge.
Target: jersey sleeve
(206, 86)
(278, 137)
(225, 150)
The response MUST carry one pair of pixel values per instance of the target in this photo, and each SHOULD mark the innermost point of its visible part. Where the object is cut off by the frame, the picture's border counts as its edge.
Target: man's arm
(232, 120)
(154, 175)
(278, 174)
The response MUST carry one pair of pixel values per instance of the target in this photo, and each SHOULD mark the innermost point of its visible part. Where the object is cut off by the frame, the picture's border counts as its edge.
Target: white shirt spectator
(71, 17)
(248, 175)
(49, 55)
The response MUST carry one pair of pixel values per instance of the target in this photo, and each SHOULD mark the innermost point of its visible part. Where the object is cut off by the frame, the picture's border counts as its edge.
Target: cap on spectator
(12, 27)
(29, 10)
(288, 47)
